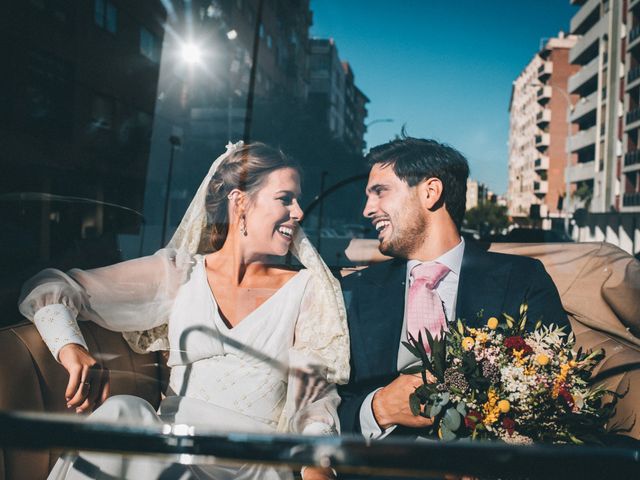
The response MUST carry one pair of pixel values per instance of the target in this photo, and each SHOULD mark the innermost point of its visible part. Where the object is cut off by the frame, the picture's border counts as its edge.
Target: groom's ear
(430, 192)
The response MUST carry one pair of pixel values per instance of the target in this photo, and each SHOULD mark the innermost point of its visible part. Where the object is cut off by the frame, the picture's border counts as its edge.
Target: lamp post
(379, 120)
(323, 176)
(175, 142)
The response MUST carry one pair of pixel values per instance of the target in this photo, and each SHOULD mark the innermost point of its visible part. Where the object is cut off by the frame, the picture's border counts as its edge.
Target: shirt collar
(451, 258)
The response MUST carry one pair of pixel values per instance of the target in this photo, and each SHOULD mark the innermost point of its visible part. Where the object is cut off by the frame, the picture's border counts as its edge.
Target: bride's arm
(127, 296)
(132, 295)
(318, 359)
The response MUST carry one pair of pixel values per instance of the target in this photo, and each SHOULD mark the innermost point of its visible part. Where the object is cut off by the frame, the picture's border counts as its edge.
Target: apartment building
(597, 118)
(334, 97)
(631, 143)
(538, 131)
(355, 112)
(327, 83)
(523, 111)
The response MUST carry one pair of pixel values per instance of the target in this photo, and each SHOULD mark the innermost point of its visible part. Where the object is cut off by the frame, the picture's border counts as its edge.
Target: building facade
(598, 117)
(538, 132)
(631, 143)
(523, 111)
(355, 112)
(327, 84)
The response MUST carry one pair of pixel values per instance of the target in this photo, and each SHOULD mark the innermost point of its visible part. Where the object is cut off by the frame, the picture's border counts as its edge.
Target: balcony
(541, 163)
(584, 107)
(582, 139)
(631, 199)
(634, 74)
(580, 172)
(634, 35)
(542, 141)
(543, 117)
(581, 15)
(632, 158)
(540, 187)
(582, 76)
(544, 95)
(632, 118)
(545, 70)
(581, 52)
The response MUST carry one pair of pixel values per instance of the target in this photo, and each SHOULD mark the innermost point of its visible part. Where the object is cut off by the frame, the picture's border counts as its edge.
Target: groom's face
(394, 210)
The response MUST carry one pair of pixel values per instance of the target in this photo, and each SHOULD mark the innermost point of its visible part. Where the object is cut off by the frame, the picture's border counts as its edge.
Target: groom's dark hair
(416, 159)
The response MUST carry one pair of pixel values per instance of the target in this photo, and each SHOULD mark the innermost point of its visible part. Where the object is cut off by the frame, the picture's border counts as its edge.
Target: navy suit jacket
(493, 282)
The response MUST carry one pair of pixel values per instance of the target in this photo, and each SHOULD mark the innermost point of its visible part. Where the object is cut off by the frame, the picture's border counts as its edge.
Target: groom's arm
(352, 394)
(373, 406)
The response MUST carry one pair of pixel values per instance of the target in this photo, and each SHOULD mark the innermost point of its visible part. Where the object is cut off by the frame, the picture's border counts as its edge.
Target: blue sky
(442, 68)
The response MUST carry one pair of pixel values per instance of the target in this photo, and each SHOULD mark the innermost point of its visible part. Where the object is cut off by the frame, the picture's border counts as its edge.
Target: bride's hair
(246, 169)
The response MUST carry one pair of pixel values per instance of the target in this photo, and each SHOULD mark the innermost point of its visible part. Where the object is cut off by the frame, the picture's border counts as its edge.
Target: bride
(252, 346)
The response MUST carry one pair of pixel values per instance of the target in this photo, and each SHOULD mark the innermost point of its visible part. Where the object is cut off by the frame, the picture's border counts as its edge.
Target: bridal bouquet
(501, 382)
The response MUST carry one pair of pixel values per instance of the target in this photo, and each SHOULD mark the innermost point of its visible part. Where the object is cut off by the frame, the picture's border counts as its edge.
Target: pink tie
(424, 308)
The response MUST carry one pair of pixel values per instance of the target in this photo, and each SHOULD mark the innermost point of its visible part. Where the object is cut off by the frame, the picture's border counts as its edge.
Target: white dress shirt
(447, 289)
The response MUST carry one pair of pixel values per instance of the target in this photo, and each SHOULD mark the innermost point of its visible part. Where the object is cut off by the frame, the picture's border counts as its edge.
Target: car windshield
(113, 113)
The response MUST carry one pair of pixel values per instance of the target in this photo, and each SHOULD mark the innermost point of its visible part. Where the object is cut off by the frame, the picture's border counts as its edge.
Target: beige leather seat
(30, 379)
(599, 285)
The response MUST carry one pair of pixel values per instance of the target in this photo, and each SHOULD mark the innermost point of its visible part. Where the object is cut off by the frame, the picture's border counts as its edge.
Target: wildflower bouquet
(501, 382)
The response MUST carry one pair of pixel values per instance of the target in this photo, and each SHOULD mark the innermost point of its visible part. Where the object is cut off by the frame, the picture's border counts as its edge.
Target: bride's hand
(317, 473)
(88, 383)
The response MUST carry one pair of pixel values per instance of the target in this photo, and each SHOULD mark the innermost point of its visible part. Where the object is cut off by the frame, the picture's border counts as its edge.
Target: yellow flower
(490, 409)
(482, 337)
(467, 343)
(517, 357)
(561, 378)
(492, 323)
(542, 359)
(504, 406)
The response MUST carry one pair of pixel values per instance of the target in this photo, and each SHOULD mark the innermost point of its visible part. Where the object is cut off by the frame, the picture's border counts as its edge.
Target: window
(101, 113)
(105, 15)
(149, 45)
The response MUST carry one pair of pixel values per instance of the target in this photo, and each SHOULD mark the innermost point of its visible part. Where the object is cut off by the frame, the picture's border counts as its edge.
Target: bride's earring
(243, 225)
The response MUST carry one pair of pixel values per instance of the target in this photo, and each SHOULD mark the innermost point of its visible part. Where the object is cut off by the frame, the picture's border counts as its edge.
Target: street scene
(217, 214)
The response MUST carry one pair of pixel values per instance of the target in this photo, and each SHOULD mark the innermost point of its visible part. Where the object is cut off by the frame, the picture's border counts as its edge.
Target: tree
(487, 218)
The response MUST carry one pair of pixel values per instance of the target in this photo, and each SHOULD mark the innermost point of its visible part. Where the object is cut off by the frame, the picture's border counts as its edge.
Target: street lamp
(379, 120)
(175, 142)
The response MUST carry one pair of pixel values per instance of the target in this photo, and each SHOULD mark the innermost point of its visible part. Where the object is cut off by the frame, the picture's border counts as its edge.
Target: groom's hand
(391, 404)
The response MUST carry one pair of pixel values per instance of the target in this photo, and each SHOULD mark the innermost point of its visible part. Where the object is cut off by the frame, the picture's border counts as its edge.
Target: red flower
(509, 425)
(566, 396)
(517, 343)
(471, 419)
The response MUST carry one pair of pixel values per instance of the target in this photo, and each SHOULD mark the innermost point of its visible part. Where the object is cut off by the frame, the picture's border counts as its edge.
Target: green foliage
(487, 218)
(468, 399)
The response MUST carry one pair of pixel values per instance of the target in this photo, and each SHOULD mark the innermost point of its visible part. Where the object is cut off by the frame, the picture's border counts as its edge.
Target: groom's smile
(394, 212)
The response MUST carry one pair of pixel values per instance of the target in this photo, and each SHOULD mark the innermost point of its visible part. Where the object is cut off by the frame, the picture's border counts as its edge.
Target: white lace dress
(258, 376)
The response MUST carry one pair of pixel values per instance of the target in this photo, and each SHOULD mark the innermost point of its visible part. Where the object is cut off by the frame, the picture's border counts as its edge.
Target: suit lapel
(483, 285)
(381, 314)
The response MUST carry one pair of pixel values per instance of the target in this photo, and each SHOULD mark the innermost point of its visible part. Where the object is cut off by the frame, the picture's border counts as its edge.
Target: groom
(416, 201)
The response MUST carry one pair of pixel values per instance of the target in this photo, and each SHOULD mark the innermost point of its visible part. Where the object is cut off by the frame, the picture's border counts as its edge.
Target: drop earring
(243, 225)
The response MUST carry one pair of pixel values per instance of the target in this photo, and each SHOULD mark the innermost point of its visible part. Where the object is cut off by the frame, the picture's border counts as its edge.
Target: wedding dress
(275, 371)
(227, 379)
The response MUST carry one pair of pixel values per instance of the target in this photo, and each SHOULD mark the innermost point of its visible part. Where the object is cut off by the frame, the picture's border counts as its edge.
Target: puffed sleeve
(128, 296)
(318, 359)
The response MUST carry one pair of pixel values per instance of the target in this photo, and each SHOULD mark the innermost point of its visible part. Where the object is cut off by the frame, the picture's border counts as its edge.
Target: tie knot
(430, 273)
